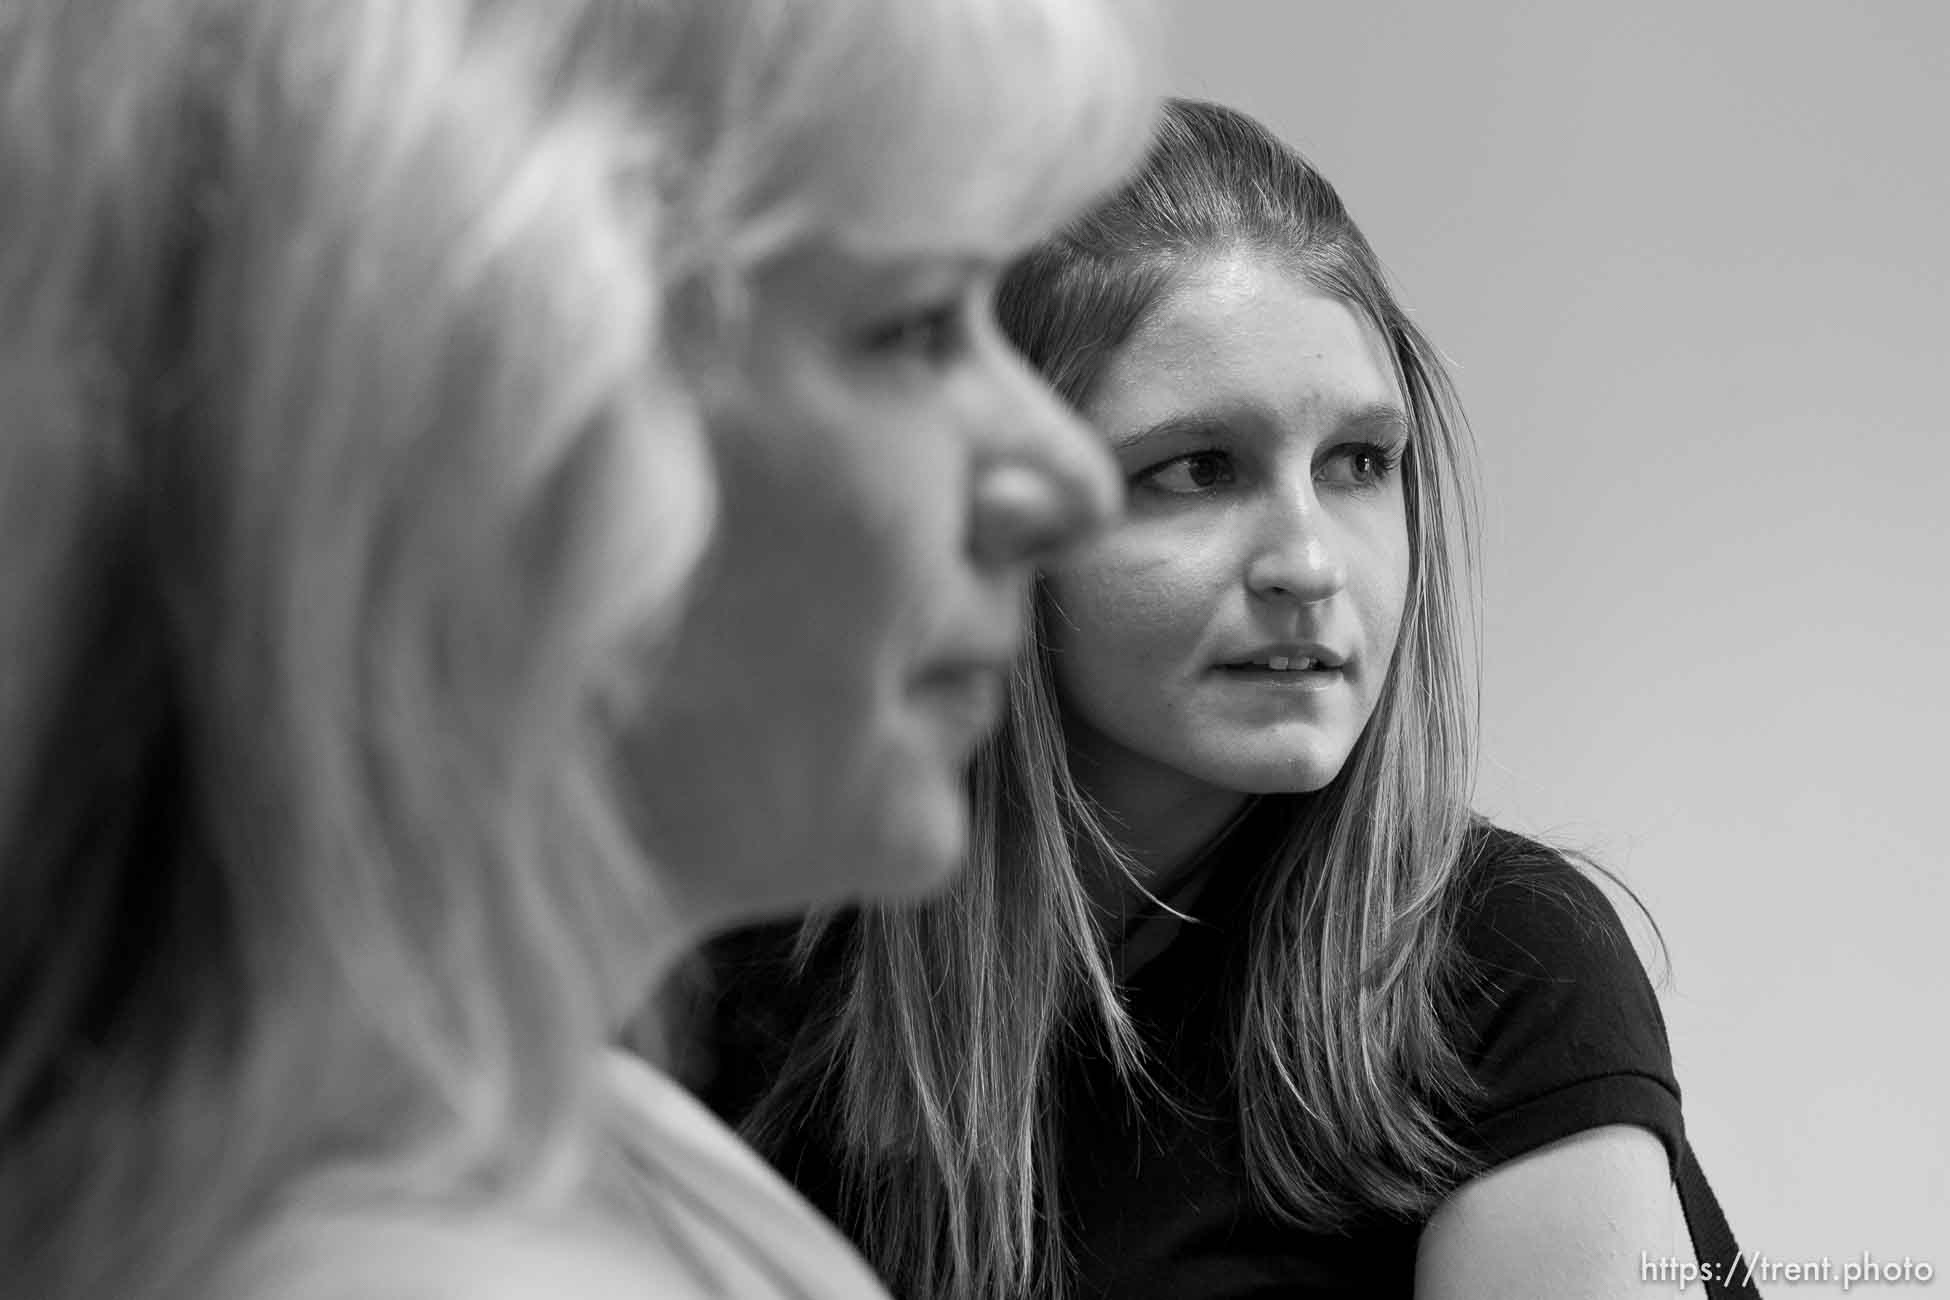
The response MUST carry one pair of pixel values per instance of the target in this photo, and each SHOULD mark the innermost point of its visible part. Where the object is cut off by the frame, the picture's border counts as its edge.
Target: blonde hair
(882, 125)
(342, 501)
(936, 1029)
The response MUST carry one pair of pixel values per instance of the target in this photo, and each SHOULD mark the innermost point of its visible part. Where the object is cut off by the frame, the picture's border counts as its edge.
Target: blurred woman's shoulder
(679, 1171)
(674, 1205)
(441, 1255)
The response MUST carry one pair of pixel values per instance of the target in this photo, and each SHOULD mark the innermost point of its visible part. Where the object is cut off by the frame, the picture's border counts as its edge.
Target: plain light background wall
(1692, 261)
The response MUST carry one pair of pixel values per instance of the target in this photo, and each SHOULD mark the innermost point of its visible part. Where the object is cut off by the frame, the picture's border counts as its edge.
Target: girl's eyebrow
(1176, 426)
(1382, 420)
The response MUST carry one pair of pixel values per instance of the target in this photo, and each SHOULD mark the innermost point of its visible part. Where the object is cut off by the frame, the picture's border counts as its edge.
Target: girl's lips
(1292, 679)
(1288, 656)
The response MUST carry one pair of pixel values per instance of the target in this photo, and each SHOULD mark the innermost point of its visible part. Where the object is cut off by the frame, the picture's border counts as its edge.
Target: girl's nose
(1295, 557)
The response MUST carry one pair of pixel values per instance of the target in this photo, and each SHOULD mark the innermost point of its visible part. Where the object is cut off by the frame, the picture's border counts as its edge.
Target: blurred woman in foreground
(352, 495)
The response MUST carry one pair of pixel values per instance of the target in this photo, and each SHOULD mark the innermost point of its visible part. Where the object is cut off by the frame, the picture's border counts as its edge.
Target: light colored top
(680, 1210)
(749, 1232)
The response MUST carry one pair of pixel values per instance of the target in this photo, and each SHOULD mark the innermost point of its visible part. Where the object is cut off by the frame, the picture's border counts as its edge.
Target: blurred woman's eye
(1360, 465)
(934, 335)
(1194, 472)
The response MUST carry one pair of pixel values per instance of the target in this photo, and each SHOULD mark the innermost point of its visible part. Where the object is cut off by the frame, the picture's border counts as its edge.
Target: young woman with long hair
(353, 486)
(1238, 997)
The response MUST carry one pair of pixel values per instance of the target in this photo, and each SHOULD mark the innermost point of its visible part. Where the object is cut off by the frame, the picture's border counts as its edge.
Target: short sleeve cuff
(1639, 1100)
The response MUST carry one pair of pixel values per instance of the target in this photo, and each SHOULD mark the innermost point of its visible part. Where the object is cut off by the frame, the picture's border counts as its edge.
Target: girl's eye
(934, 335)
(1200, 471)
(1361, 465)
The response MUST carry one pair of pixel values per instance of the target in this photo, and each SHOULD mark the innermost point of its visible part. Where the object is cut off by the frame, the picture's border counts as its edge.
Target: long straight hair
(940, 1024)
(330, 336)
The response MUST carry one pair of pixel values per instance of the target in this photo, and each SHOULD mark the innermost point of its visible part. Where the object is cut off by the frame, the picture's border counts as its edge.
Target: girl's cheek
(1135, 608)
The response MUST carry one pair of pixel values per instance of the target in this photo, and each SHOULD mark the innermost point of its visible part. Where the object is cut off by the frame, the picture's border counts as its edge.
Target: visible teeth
(1280, 664)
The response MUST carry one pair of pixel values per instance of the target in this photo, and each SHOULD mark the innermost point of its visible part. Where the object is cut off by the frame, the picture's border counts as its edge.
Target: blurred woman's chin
(928, 854)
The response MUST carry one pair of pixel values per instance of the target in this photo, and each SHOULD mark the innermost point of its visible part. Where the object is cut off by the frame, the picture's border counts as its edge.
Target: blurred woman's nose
(1295, 555)
(1044, 480)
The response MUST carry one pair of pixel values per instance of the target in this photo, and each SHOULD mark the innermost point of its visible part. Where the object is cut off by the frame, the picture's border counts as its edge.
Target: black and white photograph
(973, 649)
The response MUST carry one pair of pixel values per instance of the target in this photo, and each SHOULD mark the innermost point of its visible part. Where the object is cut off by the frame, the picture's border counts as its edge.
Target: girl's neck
(1157, 815)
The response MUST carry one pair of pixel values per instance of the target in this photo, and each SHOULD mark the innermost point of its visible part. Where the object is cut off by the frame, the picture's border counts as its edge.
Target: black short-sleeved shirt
(1555, 1020)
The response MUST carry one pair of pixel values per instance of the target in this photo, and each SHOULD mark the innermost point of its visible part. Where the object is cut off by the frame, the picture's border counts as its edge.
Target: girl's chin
(1289, 773)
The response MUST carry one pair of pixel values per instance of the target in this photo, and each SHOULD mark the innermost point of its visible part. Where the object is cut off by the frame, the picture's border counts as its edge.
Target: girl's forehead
(1208, 296)
(1250, 341)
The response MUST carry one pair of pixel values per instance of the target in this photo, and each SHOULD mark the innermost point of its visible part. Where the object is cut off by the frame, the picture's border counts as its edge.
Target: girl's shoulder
(1554, 1015)
(1525, 904)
